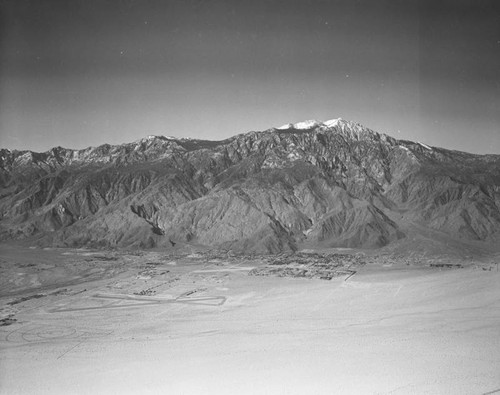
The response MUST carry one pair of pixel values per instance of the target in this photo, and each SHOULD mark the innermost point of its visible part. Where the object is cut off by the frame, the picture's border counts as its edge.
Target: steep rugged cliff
(311, 184)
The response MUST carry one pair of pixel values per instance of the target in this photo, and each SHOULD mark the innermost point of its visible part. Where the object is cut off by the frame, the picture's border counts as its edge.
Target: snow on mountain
(425, 146)
(332, 122)
(333, 183)
(303, 125)
(306, 124)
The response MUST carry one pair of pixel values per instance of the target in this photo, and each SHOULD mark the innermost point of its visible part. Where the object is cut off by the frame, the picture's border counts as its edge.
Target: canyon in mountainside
(309, 185)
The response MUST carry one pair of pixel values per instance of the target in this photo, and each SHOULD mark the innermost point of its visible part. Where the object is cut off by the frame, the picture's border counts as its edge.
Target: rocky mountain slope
(306, 185)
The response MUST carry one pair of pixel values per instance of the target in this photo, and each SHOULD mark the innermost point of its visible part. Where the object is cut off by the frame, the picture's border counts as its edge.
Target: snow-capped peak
(311, 123)
(285, 126)
(153, 137)
(300, 125)
(306, 124)
(332, 122)
(425, 146)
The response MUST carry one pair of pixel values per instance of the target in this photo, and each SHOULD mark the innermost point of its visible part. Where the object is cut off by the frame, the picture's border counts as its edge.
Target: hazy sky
(84, 72)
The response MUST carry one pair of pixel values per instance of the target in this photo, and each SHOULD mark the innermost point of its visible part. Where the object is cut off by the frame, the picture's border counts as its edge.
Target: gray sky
(82, 73)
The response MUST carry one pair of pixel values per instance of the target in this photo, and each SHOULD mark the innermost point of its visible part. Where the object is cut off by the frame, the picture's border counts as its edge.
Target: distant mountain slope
(331, 184)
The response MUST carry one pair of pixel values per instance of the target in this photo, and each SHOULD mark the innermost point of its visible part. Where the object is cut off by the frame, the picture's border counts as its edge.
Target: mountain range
(305, 185)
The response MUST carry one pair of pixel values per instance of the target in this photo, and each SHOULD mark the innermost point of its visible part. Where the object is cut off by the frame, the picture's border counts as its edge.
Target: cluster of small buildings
(319, 266)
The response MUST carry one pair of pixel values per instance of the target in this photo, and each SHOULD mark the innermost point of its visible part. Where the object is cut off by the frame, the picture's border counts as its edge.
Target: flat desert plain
(94, 322)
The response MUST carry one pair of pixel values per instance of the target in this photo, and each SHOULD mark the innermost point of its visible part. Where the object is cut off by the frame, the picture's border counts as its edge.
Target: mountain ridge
(308, 184)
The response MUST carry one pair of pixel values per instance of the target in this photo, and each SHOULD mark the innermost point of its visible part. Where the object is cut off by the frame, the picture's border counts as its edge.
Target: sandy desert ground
(93, 322)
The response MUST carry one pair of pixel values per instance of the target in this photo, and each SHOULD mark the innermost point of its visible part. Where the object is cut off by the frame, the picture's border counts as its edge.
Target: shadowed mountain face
(332, 184)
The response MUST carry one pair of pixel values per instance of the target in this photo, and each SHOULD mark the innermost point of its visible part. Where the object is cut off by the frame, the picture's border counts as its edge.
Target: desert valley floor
(78, 321)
